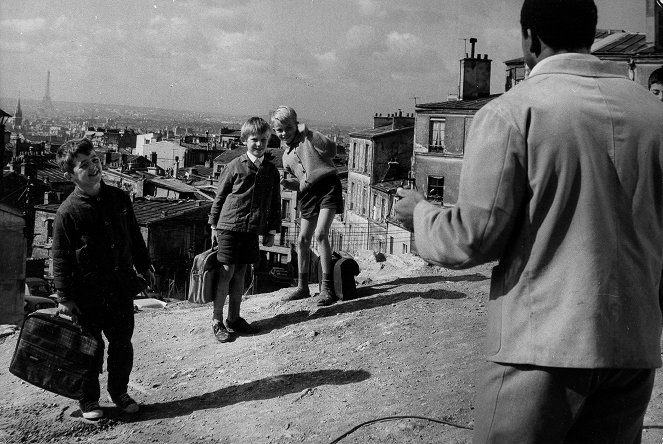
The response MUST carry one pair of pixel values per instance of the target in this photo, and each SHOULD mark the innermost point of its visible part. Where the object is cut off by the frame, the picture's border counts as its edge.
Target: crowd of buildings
(172, 178)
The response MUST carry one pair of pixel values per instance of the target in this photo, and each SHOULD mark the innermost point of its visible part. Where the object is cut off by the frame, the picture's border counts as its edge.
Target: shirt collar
(256, 160)
(564, 56)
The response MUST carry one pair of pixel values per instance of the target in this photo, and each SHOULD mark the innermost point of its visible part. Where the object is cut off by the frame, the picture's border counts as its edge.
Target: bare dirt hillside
(409, 346)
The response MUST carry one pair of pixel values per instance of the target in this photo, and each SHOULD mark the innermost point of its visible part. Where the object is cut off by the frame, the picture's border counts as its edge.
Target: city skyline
(340, 61)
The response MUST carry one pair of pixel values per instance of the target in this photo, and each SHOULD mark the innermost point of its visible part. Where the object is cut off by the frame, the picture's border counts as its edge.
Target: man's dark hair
(561, 24)
(66, 155)
(655, 77)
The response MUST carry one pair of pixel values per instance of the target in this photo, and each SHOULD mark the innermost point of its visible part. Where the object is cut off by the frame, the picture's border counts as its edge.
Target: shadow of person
(363, 302)
(266, 388)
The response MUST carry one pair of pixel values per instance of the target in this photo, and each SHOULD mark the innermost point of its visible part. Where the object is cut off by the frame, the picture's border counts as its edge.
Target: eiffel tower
(46, 107)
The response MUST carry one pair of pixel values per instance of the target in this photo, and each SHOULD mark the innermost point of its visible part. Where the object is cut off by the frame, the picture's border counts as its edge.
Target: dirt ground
(410, 345)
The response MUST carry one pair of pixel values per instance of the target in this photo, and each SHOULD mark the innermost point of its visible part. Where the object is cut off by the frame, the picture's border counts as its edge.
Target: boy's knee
(321, 236)
(303, 242)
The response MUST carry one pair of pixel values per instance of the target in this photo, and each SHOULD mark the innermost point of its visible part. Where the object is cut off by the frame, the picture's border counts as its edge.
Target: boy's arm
(64, 260)
(274, 219)
(324, 146)
(223, 189)
(139, 252)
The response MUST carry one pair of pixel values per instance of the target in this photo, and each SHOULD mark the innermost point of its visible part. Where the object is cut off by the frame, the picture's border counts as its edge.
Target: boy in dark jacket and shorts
(308, 156)
(247, 204)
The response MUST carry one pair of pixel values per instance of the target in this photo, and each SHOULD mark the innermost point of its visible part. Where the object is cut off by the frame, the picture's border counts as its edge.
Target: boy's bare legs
(236, 292)
(325, 219)
(226, 272)
(234, 322)
(303, 256)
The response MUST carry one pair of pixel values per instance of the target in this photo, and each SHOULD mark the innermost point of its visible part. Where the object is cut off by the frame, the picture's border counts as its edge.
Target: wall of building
(12, 267)
(166, 153)
(439, 166)
(397, 147)
(457, 127)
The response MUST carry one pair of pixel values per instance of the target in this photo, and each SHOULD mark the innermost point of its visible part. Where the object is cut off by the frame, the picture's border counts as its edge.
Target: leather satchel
(55, 354)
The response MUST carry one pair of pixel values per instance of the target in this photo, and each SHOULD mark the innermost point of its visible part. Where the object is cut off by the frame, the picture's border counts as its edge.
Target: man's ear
(535, 43)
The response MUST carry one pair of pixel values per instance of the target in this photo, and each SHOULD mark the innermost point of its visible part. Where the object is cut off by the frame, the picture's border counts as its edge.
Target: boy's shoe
(299, 293)
(240, 326)
(125, 403)
(220, 332)
(91, 409)
(326, 298)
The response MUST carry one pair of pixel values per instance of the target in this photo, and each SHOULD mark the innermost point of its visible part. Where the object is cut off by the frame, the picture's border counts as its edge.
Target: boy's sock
(302, 290)
(327, 296)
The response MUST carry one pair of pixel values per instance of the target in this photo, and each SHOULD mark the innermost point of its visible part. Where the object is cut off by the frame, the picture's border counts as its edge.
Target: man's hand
(268, 240)
(404, 208)
(69, 309)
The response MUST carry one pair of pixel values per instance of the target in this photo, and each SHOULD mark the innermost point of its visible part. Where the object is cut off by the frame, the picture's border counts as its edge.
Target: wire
(391, 418)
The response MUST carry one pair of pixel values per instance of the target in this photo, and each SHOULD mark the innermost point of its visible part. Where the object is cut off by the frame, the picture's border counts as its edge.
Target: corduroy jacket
(562, 182)
(96, 245)
(248, 199)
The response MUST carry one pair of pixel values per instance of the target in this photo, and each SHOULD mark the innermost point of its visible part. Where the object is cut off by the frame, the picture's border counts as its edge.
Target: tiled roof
(172, 184)
(49, 207)
(388, 186)
(49, 171)
(152, 210)
(621, 43)
(469, 105)
(371, 133)
(612, 42)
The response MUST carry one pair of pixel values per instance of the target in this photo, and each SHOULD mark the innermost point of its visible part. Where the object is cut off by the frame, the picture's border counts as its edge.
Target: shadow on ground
(363, 302)
(266, 388)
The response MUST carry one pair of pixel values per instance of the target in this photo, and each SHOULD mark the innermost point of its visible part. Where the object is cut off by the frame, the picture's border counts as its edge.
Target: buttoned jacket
(96, 243)
(248, 199)
(562, 183)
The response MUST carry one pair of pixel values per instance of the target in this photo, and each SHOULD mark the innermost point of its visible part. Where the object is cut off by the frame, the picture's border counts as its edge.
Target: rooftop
(371, 133)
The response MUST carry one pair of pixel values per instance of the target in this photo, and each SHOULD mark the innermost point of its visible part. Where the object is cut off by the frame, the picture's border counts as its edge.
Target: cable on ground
(392, 418)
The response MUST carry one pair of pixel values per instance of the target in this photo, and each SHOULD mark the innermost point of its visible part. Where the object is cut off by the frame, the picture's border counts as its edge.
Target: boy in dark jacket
(247, 204)
(96, 245)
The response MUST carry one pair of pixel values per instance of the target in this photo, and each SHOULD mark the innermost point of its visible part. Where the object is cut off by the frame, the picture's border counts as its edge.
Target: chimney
(474, 82)
(654, 24)
(153, 158)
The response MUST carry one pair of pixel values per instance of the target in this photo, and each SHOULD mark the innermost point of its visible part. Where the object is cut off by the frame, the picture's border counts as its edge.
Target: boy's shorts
(237, 247)
(327, 193)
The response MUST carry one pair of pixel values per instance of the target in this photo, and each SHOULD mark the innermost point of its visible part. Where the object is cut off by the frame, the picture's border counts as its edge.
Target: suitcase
(55, 354)
(203, 275)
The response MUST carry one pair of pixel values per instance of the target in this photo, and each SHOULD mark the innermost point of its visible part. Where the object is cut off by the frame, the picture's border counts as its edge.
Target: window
(364, 202)
(49, 230)
(284, 235)
(391, 244)
(285, 209)
(383, 204)
(366, 157)
(353, 154)
(435, 191)
(437, 130)
(375, 207)
(352, 195)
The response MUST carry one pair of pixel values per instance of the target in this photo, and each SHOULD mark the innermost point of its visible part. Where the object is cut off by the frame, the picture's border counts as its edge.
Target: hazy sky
(332, 60)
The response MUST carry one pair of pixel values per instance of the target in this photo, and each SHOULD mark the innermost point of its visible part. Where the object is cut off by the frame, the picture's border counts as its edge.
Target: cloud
(24, 25)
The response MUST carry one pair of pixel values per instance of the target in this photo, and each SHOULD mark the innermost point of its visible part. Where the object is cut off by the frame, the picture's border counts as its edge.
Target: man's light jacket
(562, 182)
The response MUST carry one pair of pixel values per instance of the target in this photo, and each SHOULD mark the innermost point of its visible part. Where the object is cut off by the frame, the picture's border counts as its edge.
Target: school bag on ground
(55, 354)
(202, 280)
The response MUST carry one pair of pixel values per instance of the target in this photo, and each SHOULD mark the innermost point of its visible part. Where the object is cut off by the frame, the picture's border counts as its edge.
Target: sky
(338, 61)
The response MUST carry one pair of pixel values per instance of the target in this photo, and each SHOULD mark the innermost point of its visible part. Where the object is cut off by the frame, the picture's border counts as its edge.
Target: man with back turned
(562, 184)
